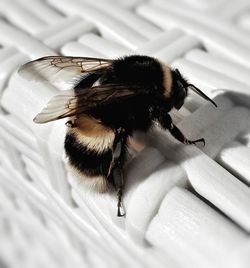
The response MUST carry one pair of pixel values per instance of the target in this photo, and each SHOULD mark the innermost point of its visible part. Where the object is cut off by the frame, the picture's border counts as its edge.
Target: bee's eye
(180, 96)
(180, 85)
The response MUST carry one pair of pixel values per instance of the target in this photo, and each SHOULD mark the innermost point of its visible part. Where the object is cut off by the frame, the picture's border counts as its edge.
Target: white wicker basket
(186, 206)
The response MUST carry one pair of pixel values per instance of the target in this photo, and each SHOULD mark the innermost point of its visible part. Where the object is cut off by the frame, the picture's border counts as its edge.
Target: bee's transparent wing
(61, 68)
(73, 103)
(57, 107)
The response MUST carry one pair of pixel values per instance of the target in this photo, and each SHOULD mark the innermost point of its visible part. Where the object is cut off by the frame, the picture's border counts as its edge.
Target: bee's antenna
(199, 92)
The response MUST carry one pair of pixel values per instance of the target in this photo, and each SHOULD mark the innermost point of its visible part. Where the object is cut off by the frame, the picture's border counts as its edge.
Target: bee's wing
(61, 68)
(77, 103)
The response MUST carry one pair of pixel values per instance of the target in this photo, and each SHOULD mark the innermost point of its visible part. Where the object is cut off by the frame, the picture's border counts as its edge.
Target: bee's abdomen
(90, 154)
(84, 157)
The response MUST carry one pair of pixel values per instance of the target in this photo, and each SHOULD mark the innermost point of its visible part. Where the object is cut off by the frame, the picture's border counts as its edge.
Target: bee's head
(180, 88)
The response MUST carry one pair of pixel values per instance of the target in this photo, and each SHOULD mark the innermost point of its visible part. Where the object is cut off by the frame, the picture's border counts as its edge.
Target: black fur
(131, 114)
(136, 112)
(143, 71)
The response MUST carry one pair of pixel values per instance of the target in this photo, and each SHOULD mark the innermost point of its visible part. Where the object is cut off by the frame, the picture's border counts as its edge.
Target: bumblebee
(110, 100)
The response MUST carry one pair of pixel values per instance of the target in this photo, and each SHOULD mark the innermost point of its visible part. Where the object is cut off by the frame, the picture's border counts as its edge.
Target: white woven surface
(48, 219)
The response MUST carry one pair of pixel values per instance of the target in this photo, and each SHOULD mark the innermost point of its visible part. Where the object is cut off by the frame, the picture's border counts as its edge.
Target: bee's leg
(175, 132)
(119, 184)
(117, 168)
(166, 122)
